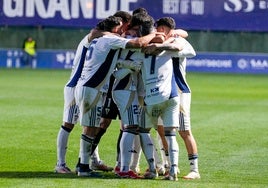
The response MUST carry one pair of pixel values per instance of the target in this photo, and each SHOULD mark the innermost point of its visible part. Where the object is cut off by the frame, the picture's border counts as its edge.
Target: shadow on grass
(32, 174)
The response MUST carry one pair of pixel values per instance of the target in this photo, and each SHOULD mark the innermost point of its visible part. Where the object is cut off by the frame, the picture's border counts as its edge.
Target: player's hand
(151, 49)
(129, 64)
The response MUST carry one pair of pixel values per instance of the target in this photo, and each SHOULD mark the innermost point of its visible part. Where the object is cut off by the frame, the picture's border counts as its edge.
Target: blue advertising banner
(248, 63)
(229, 63)
(227, 15)
(48, 59)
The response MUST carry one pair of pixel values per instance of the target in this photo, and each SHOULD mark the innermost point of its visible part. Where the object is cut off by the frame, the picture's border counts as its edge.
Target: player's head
(100, 25)
(113, 24)
(126, 17)
(147, 25)
(165, 24)
(140, 10)
(139, 18)
(142, 23)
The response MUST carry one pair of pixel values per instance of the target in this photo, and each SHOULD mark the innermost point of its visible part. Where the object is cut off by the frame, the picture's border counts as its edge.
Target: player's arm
(97, 33)
(187, 49)
(140, 42)
(179, 45)
(134, 65)
(177, 33)
(156, 48)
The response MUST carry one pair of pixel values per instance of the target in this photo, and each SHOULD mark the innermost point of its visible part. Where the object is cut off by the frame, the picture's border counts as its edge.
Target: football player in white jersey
(109, 110)
(161, 93)
(166, 25)
(144, 133)
(71, 112)
(185, 123)
(99, 64)
(126, 88)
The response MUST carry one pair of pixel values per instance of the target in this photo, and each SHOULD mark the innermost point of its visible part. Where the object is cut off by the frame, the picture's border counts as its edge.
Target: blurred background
(228, 35)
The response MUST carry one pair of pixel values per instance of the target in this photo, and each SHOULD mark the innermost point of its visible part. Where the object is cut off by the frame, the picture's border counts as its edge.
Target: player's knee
(143, 130)
(131, 129)
(185, 134)
(68, 126)
(104, 123)
(169, 131)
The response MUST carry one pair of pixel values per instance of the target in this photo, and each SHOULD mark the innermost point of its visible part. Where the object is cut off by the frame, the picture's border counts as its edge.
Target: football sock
(173, 149)
(62, 141)
(148, 149)
(95, 157)
(193, 159)
(126, 146)
(163, 153)
(136, 153)
(158, 161)
(97, 139)
(85, 148)
(118, 158)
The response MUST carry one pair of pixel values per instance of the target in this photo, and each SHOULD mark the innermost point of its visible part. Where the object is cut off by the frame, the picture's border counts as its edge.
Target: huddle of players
(144, 90)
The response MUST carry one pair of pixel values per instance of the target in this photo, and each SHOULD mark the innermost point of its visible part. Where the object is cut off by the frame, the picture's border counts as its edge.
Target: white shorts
(184, 116)
(89, 101)
(168, 111)
(184, 113)
(128, 106)
(70, 110)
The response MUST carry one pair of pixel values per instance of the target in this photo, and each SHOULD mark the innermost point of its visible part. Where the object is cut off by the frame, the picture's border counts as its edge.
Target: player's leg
(109, 112)
(70, 117)
(147, 121)
(173, 146)
(129, 111)
(171, 121)
(118, 158)
(62, 142)
(191, 147)
(187, 136)
(126, 151)
(97, 163)
(163, 141)
(163, 168)
(86, 142)
(134, 165)
(90, 105)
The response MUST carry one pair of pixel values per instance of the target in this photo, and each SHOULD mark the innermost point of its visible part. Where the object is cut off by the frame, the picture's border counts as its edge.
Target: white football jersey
(179, 65)
(158, 78)
(100, 61)
(129, 82)
(78, 62)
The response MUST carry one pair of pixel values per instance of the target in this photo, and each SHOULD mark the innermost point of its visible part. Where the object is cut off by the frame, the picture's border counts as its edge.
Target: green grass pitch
(229, 121)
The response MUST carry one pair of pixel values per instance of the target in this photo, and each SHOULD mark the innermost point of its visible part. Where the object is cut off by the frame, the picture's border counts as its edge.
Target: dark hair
(111, 22)
(147, 26)
(166, 21)
(140, 10)
(126, 17)
(100, 25)
(140, 18)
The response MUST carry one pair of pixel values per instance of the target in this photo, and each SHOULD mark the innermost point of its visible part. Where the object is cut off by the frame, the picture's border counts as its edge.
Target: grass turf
(229, 122)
